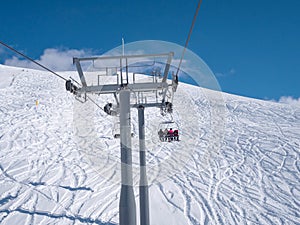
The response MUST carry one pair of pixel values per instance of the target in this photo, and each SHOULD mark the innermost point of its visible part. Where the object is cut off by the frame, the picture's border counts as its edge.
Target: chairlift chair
(164, 133)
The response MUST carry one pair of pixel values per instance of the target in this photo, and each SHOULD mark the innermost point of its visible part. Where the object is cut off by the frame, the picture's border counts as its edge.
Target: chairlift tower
(124, 86)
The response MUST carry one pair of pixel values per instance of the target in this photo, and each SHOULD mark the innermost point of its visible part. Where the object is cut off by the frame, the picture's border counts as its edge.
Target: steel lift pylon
(122, 90)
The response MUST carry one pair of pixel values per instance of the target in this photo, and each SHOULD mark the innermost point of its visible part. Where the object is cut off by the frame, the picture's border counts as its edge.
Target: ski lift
(116, 131)
(110, 109)
(168, 131)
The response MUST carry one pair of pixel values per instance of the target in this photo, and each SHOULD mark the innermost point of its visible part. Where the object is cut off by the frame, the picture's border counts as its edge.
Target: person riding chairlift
(161, 135)
(107, 108)
(170, 134)
(166, 131)
(176, 136)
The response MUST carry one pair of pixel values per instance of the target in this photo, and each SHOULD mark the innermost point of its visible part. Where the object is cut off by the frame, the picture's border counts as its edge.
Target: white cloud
(55, 59)
(289, 100)
(232, 71)
(3, 53)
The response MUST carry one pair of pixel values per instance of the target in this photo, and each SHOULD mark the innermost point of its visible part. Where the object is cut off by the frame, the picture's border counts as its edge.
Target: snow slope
(55, 170)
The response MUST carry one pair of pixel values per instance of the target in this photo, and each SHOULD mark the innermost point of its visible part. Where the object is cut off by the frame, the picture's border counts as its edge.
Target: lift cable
(189, 36)
(95, 103)
(30, 59)
(44, 67)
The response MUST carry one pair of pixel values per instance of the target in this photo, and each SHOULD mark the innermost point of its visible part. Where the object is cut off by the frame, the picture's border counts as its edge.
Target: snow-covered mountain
(237, 162)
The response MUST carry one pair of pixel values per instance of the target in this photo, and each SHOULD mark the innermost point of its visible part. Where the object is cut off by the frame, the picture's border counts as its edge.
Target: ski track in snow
(45, 179)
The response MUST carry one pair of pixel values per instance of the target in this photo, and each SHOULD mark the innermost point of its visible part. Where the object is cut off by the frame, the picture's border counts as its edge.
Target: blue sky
(252, 47)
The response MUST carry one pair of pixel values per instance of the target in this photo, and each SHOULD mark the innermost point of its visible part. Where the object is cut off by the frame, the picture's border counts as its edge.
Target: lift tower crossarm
(123, 56)
(166, 72)
(113, 88)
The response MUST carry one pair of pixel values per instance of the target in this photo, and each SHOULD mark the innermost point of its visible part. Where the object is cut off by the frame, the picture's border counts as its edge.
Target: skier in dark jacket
(107, 108)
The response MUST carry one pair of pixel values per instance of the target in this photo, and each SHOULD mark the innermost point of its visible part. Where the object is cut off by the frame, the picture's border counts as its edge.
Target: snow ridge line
(57, 216)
